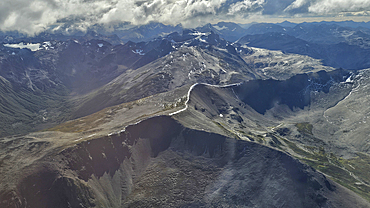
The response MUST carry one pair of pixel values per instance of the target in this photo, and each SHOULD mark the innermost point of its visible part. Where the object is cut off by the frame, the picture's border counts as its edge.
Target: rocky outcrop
(159, 162)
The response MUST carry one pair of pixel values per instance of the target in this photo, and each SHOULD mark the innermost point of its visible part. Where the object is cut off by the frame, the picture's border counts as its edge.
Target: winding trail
(192, 87)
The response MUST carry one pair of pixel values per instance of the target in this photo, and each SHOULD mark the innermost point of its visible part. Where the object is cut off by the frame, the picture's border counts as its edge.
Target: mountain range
(337, 46)
(273, 115)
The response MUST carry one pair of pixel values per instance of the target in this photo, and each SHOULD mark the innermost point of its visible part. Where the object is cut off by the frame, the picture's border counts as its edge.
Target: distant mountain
(337, 46)
(226, 30)
(245, 26)
(321, 33)
(348, 23)
(287, 24)
(340, 55)
(318, 32)
(121, 33)
(324, 33)
(147, 32)
(262, 28)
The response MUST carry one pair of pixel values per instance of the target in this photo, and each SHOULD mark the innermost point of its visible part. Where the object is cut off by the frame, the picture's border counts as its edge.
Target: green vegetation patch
(297, 149)
(343, 176)
(359, 165)
(304, 128)
(353, 173)
(227, 131)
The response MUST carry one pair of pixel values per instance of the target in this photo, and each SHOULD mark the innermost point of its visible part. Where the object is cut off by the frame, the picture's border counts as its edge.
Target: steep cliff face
(159, 162)
(295, 92)
(75, 176)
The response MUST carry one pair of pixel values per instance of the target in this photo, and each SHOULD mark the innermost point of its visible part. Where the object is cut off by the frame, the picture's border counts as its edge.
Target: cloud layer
(34, 16)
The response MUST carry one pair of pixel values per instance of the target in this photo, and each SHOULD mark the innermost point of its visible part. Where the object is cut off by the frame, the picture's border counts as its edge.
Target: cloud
(298, 6)
(246, 7)
(324, 7)
(276, 7)
(34, 16)
(337, 6)
(165, 11)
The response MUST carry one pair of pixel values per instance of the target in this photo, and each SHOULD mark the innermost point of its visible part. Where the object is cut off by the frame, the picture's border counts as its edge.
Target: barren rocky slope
(69, 79)
(218, 149)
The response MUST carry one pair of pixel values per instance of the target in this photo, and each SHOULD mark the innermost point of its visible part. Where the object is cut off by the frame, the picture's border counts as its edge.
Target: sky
(35, 16)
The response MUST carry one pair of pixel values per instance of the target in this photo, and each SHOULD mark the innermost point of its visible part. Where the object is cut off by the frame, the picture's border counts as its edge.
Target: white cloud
(333, 7)
(245, 7)
(34, 16)
(336, 6)
(166, 11)
(296, 4)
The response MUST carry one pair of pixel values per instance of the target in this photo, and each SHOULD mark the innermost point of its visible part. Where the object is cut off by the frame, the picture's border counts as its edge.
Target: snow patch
(220, 28)
(31, 46)
(47, 45)
(349, 80)
(137, 51)
(198, 33)
(201, 40)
